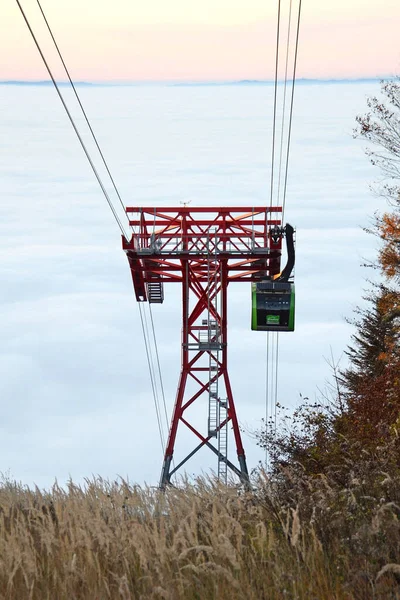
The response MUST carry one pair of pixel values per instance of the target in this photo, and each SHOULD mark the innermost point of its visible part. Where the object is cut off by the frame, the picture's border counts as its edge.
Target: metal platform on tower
(204, 249)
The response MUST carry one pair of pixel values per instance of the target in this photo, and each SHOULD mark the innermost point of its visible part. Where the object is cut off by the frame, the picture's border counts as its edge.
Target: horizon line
(187, 83)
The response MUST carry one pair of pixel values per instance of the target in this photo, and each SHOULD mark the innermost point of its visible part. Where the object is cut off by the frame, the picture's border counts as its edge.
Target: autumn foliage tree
(380, 127)
(363, 414)
(373, 380)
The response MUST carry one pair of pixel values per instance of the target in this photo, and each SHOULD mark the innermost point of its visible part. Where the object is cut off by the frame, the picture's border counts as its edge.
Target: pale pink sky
(206, 39)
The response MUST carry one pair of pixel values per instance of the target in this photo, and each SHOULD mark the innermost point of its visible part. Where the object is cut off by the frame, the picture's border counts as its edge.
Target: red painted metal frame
(175, 245)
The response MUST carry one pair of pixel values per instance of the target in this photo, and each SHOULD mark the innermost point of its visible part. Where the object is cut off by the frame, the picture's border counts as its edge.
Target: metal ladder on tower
(217, 408)
(155, 292)
(213, 335)
(222, 440)
(213, 394)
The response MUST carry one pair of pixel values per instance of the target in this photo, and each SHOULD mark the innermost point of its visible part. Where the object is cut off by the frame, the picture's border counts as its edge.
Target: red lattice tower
(204, 250)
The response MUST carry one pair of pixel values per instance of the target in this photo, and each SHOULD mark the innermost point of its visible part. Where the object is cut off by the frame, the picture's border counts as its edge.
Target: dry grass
(113, 540)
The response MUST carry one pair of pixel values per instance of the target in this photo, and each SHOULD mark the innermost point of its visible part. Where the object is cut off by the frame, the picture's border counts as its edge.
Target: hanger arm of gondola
(285, 274)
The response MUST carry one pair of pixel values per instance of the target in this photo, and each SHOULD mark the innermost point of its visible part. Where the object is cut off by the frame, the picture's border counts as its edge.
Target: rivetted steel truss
(204, 249)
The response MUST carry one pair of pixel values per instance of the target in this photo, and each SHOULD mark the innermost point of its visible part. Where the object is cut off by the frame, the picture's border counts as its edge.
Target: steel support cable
(270, 386)
(279, 188)
(272, 377)
(284, 100)
(275, 101)
(154, 372)
(276, 380)
(291, 110)
(267, 401)
(152, 380)
(159, 367)
(81, 106)
(144, 324)
(151, 364)
(160, 376)
(274, 390)
(110, 204)
(267, 382)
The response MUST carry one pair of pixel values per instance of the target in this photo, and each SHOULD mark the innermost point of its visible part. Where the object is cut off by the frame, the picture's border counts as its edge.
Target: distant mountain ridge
(43, 83)
(241, 82)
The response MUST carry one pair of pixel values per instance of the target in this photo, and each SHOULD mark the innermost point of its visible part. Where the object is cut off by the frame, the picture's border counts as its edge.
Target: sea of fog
(74, 383)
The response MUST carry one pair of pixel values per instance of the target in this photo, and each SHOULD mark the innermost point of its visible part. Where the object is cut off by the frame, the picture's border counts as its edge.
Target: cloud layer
(74, 387)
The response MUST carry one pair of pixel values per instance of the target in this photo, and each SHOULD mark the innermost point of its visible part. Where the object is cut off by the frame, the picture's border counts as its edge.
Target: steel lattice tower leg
(196, 346)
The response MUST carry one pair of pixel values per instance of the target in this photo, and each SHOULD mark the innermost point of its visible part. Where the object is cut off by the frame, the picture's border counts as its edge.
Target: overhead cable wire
(157, 400)
(80, 104)
(273, 352)
(267, 401)
(276, 381)
(267, 378)
(146, 340)
(272, 377)
(152, 380)
(284, 101)
(279, 188)
(291, 109)
(146, 336)
(275, 101)
(287, 158)
(159, 367)
(160, 376)
(110, 204)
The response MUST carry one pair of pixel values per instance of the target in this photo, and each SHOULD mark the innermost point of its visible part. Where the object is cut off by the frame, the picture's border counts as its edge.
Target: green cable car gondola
(273, 300)
(273, 306)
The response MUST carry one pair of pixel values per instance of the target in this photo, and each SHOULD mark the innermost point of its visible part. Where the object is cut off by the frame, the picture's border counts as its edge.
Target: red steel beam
(184, 245)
